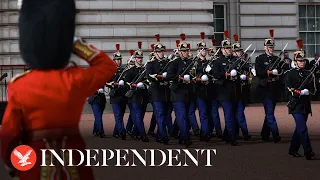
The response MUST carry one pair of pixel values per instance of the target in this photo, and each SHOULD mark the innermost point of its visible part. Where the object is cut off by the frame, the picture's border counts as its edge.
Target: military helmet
(46, 33)
(117, 54)
(183, 45)
(226, 43)
(138, 53)
(201, 44)
(158, 46)
(236, 46)
(299, 54)
(270, 41)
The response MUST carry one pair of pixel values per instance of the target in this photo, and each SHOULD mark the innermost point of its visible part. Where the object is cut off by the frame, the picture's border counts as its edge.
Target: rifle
(214, 57)
(248, 60)
(174, 86)
(237, 62)
(293, 101)
(273, 65)
(137, 79)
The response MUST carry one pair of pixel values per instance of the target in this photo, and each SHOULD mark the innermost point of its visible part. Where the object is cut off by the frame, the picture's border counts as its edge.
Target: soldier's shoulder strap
(19, 76)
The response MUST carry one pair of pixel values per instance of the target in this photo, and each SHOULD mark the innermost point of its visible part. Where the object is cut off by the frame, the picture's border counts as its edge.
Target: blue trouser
(203, 107)
(118, 112)
(161, 111)
(229, 110)
(181, 110)
(242, 122)
(168, 122)
(270, 122)
(139, 111)
(300, 135)
(129, 125)
(98, 112)
(192, 116)
(215, 117)
(153, 122)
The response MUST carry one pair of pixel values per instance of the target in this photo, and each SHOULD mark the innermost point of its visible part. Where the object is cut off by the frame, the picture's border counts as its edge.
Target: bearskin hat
(46, 33)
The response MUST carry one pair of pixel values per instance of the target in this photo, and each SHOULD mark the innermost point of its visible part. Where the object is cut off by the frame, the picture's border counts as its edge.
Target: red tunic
(40, 100)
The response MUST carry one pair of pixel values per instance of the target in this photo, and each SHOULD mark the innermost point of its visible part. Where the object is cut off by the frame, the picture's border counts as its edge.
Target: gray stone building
(107, 22)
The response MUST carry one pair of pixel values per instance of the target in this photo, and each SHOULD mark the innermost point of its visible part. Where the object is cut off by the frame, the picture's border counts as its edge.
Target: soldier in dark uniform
(159, 89)
(202, 90)
(117, 96)
(243, 98)
(139, 99)
(129, 126)
(301, 84)
(316, 97)
(288, 65)
(214, 116)
(268, 88)
(98, 104)
(181, 89)
(228, 88)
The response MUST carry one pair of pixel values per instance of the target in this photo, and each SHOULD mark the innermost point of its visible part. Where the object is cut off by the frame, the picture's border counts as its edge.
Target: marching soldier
(268, 87)
(215, 122)
(159, 89)
(181, 89)
(153, 122)
(45, 103)
(244, 71)
(139, 97)
(117, 95)
(131, 63)
(202, 90)
(228, 87)
(301, 84)
(193, 123)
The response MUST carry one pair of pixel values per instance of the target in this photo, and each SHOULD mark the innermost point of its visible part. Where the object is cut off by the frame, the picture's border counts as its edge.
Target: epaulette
(151, 60)
(19, 75)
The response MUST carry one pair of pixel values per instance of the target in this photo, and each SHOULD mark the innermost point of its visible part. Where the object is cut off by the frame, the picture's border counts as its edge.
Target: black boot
(247, 137)
(123, 136)
(309, 155)
(144, 139)
(276, 139)
(295, 154)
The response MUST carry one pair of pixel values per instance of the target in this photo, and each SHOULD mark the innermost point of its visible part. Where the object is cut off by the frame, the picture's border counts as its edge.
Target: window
(219, 23)
(309, 28)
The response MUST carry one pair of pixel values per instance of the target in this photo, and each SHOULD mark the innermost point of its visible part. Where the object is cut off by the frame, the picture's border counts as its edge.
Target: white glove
(304, 92)
(204, 78)
(293, 65)
(253, 71)
(75, 39)
(121, 83)
(208, 69)
(186, 77)
(101, 90)
(164, 75)
(275, 72)
(243, 77)
(140, 85)
(250, 79)
(233, 72)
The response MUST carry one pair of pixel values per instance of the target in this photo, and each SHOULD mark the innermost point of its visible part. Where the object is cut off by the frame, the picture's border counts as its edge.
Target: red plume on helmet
(226, 34)
(183, 37)
(118, 47)
(157, 37)
(164, 49)
(214, 42)
(131, 52)
(152, 46)
(271, 31)
(177, 42)
(300, 44)
(139, 44)
(236, 37)
(188, 45)
(202, 35)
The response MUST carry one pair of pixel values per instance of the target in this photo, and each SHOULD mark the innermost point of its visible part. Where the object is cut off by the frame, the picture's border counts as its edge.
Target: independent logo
(23, 158)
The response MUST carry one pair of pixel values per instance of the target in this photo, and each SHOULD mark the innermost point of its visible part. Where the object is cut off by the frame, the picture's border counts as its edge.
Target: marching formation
(182, 82)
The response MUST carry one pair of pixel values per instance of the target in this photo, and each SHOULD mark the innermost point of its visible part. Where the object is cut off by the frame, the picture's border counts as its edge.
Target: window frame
(224, 21)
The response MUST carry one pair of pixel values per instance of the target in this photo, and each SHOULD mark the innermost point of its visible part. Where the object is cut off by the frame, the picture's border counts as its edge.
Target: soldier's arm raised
(101, 69)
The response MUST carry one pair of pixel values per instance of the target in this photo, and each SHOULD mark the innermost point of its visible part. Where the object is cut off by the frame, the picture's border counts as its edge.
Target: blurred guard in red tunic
(45, 103)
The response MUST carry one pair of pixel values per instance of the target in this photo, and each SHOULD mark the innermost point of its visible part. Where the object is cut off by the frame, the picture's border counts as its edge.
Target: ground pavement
(253, 159)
